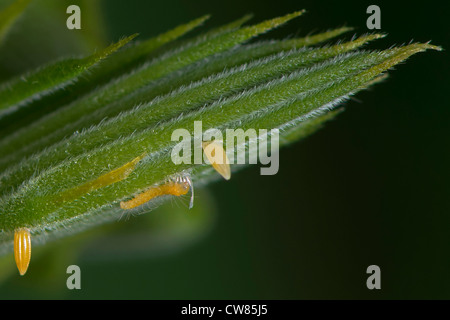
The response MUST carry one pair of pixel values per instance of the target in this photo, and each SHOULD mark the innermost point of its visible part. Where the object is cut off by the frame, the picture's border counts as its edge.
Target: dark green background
(372, 187)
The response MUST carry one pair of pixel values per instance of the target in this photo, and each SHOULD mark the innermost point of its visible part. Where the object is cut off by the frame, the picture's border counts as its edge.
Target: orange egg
(22, 249)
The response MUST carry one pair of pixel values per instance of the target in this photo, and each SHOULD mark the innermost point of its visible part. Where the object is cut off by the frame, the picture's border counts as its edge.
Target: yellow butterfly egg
(22, 249)
(217, 157)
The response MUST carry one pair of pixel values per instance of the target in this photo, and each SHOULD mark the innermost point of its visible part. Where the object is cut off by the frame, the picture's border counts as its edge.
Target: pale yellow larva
(176, 187)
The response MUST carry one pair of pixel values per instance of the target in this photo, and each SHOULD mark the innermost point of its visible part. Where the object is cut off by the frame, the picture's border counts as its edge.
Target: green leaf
(120, 62)
(137, 53)
(21, 90)
(184, 100)
(42, 203)
(69, 170)
(85, 112)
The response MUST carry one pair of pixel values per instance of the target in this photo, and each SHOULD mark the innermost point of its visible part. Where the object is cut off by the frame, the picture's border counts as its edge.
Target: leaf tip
(113, 47)
(283, 19)
(432, 47)
(202, 19)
